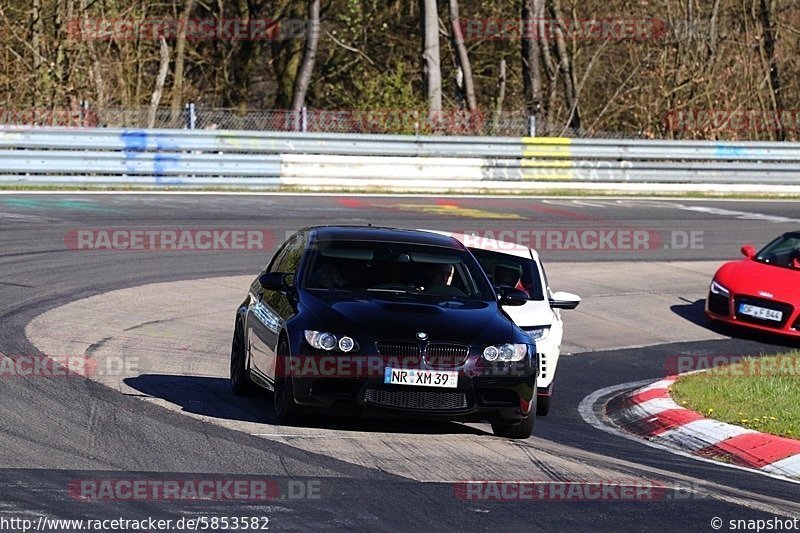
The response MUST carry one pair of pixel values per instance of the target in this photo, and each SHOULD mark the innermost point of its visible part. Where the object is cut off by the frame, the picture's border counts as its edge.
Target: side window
(294, 253)
(278, 259)
(276, 264)
(548, 292)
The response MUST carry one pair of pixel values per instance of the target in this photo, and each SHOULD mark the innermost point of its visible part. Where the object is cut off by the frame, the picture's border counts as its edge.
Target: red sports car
(762, 291)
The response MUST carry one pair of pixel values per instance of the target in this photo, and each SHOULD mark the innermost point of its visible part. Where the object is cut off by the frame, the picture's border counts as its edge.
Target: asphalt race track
(171, 416)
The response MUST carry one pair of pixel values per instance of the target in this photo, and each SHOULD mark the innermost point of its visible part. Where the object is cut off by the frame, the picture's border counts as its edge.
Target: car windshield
(511, 270)
(396, 268)
(783, 252)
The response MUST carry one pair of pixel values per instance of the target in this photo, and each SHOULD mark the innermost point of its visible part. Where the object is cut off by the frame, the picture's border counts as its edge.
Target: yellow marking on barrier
(454, 210)
(547, 140)
(547, 159)
(550, 147)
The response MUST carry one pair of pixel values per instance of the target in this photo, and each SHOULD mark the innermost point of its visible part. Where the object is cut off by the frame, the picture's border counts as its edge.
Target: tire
(522, 429)
(286, 409)
(241, 384)
(543, 405)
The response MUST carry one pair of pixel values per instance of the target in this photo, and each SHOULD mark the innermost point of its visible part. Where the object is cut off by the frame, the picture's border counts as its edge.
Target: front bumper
(493, 392)
(725, 310)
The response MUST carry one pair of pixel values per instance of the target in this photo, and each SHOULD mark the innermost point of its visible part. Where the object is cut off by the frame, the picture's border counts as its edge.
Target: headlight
(322, 340)
(716, 288)
(505, 352)
(538, 333)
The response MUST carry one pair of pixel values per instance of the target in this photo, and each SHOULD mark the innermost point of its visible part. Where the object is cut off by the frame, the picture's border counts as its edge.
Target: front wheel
(543, 405)
(240, 375)
(286, 409)
(521, 430)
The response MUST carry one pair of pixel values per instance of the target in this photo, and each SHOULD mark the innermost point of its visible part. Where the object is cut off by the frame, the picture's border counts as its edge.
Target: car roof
(384, 234)
(491, 245)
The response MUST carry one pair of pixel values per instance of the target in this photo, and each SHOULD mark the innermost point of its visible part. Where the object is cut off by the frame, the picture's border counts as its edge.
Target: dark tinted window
(510, 270)
(783, 251)
(386, 266)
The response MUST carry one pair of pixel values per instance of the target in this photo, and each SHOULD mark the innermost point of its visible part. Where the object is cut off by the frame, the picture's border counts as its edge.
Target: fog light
(346, 344)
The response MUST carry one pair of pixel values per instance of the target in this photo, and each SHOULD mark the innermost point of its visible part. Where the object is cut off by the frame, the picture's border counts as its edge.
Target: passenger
(506, 276)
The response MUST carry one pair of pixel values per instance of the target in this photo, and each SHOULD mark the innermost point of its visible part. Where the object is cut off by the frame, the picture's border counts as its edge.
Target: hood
(761, 279)
(399, 317)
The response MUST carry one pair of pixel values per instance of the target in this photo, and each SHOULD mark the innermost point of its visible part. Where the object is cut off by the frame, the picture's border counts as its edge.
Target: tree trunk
(463, 57)
(432, 63)
(162, 77)
(176, 98)
(39, 65)
(565, 67)
(309, 56)
(766, 8)
(531, 63)
(501, 94)
(287, 55)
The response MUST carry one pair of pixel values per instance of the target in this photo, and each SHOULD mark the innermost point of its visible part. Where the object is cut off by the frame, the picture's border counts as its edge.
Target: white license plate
(760, 312)
(422, 378)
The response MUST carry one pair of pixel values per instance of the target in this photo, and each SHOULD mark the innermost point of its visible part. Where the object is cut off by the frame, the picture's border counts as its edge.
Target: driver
(328, 276)
(506, 275)
(441, 274)
(794, 260)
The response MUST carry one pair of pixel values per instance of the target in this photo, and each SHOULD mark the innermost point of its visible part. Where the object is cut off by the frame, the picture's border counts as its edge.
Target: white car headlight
(716, 288)
(322, 340)
(538, 333)
(505, 352)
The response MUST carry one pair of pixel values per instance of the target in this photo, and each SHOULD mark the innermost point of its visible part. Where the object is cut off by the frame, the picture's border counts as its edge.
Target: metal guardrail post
(191, 116)
(532, 126)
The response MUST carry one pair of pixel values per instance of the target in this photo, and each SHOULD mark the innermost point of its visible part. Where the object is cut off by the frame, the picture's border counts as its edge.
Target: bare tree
(565, 68)
(160, 79)
(309, 56)
(766, 8)
(176, 98)
(432, 64)
(463, 57)
(531, 62)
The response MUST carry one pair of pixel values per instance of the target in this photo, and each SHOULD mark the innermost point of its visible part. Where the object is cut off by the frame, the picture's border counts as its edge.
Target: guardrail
(263, 159)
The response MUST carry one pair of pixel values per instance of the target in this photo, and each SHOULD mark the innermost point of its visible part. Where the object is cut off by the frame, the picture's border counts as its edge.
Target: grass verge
(760, 393)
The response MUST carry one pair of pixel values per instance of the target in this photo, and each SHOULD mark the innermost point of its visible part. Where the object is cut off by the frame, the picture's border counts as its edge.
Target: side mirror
(510, 296)
(274, 281)
(564, 300)
(748, 251)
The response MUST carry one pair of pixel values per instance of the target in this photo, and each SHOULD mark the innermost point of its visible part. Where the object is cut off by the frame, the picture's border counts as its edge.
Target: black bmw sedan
(359, 320)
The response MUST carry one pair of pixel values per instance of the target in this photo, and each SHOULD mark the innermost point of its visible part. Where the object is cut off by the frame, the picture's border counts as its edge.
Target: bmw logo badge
(421, 335)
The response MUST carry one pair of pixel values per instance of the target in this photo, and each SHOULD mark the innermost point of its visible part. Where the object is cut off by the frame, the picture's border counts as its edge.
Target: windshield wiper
(395, 291)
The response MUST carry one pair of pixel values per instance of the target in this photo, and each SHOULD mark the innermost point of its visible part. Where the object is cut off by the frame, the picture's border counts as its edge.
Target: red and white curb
(651, 413)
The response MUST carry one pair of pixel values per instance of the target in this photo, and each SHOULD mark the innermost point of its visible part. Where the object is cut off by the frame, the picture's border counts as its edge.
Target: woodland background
(730, 55)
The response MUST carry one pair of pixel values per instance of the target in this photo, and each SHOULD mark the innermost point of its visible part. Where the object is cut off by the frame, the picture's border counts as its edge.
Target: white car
(510, 264)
